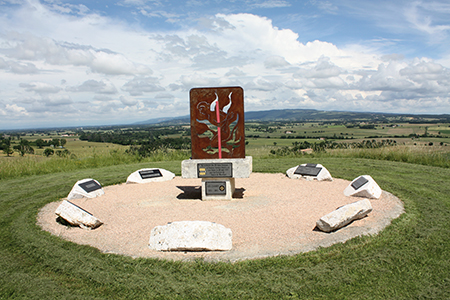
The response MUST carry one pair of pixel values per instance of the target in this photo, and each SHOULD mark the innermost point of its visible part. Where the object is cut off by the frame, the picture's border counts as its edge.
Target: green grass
(13, 167)
(408, 260)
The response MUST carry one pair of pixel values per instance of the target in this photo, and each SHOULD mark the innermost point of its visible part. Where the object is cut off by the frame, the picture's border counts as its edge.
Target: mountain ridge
(310, 115)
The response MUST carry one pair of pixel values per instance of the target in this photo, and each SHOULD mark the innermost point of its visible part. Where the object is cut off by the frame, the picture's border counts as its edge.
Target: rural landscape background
(98, 89)
(408, 156)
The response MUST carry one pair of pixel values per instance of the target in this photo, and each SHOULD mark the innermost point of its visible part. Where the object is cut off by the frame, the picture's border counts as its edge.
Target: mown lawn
(408, 260)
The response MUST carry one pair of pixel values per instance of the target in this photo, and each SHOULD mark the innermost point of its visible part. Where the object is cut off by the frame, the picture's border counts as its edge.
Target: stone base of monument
(218, 188)
(218, 175)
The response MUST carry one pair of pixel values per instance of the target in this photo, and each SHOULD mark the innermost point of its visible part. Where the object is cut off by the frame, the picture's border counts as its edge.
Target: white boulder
(89, 188)
(344, 215)
(150, 175)
(191, 236)
(363, 186)
(77, 216)
(309, 172)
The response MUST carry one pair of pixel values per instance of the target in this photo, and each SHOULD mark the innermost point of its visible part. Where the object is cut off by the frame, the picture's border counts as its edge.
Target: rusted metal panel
(217, 112)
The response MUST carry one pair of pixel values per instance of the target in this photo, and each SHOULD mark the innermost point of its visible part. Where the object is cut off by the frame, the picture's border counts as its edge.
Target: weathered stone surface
(323, 175)
(370, 189)
(344, 215)
(191, 236)
(79, 192)
(242, 167)
(150, 175)
(77, 216)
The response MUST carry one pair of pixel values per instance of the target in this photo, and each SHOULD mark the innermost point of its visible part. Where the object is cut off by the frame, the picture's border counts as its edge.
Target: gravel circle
(270, 215)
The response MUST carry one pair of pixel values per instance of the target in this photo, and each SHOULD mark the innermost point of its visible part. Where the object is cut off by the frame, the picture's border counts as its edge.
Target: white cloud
(16, 110)
(275, 61)
(80, 67)
(40, 88)
(140, 85)
(91, 85)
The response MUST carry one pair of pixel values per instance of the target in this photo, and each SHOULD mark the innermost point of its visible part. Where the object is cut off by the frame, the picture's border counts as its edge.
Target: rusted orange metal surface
(207, 106)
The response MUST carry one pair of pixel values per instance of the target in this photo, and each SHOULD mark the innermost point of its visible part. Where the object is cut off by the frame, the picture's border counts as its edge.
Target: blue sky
(79, 63)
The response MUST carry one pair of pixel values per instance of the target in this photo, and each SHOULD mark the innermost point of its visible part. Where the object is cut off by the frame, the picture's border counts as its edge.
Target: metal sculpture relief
(217, 122)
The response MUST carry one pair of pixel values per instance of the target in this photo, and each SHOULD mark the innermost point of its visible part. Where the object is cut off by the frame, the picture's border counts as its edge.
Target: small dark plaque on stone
(215, 188)
(215, 170)
(359, 182)
(308, 170)
(146, 174)
(90, 186)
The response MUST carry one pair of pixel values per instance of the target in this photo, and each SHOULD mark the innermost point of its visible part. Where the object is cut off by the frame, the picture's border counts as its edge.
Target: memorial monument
(218, 141)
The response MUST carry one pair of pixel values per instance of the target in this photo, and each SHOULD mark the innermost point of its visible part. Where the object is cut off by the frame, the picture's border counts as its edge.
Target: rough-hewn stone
(77, 216)
(323, 175)
(150, 175)
(191, 236)
(78, 192)
(344, 215)
(370, 189)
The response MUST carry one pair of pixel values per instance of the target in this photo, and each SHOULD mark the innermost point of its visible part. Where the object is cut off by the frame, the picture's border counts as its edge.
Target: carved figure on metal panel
(217, 122)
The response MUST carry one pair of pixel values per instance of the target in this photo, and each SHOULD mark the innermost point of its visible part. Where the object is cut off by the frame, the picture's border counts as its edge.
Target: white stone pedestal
(218, 175)
(218, 188)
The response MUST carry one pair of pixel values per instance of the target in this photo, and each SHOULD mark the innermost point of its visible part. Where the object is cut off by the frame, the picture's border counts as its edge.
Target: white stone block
(77, 216)
(363, 186)
(228, 185)
(150, 175)
(89, 188)
(344, 215)
(310, 169)
(241, 167)
(191, 236)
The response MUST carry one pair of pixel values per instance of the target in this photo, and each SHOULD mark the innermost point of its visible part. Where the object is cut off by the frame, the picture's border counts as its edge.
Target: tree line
(26, 147)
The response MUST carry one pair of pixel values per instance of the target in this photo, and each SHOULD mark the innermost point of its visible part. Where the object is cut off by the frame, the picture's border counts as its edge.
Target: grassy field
(408, 260)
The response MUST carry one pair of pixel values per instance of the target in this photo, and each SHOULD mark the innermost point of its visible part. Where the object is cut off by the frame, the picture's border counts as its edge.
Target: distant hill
(313, 115)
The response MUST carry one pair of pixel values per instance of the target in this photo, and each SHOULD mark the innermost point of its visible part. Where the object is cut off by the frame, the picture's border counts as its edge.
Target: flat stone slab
(88, 188)
(191, 236)
(77, 216)
(344, 215)
(150, 175)
(217, 168)
(363, 186)
(309, 172)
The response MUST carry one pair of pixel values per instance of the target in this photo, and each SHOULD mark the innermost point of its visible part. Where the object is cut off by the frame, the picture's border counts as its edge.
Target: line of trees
(324, 145)
(26, 147)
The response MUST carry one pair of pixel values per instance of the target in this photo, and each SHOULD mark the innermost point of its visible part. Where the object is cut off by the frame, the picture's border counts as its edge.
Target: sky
(86, 62)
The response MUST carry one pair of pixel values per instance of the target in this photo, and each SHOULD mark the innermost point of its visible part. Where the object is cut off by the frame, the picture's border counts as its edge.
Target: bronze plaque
(146, 174)
(308, 170)
(215, 170)
(215, 188)
(359, 182)
(90, 186)
(217, 112)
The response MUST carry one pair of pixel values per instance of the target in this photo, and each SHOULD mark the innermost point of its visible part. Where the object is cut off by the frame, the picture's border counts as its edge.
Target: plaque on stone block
(215, 188)
(146, 174)
(90, 186)
(359, 182)
(308, 170)
(215, 170)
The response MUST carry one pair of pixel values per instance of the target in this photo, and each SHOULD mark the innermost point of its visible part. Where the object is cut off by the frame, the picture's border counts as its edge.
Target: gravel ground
(270, 215)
